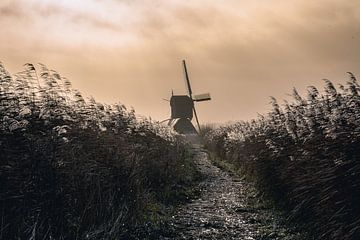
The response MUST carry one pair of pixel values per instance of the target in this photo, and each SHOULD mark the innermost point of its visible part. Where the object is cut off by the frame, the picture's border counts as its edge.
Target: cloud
(95, 22)
(18, 17)
(240, 51)
(12, 10)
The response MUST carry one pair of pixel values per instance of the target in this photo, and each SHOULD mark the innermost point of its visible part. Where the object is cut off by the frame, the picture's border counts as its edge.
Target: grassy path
(226, 209)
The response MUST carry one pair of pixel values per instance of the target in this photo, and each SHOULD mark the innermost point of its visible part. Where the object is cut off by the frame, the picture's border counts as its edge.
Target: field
(304, 156)
(72, 168)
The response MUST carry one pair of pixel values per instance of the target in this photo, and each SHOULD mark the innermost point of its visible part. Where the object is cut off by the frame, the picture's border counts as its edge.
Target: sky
(130, 51)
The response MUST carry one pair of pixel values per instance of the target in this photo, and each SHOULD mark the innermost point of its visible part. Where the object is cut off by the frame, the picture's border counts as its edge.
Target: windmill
(183, 108)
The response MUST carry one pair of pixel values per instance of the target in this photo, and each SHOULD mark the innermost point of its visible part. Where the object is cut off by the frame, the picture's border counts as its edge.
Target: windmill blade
(169, 119)
(197, 119)
(202, 97)
(187, 80)
(190, 93)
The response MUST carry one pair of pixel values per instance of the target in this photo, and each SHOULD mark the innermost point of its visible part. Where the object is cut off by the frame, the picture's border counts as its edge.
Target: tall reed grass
(72, 168)
(305, 156)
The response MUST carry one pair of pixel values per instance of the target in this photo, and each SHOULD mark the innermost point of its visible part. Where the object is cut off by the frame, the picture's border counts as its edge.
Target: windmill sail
(202, 97)
(187, 80)
(190, 93)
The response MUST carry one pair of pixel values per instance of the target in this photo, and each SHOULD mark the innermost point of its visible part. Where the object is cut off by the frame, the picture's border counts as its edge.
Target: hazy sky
(130, 51)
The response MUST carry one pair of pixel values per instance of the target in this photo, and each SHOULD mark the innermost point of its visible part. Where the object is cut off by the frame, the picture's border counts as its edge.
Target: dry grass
(304, 156)
(77, 169)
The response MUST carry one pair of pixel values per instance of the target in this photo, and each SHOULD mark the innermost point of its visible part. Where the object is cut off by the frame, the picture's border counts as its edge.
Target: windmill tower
(183, 108)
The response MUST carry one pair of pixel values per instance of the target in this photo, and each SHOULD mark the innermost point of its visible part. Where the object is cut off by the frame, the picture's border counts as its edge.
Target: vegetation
(305, 156)
(72, 168)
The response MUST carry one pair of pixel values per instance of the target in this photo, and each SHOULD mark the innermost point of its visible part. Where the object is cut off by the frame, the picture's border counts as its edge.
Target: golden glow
(239, 51)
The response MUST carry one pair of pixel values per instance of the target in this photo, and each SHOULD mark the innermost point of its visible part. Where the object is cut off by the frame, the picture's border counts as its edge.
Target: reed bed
(74, 168)
(304, 156)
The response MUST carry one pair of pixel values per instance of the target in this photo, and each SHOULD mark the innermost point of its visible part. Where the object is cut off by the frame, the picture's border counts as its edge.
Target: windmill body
(183, 108)
(181, 114)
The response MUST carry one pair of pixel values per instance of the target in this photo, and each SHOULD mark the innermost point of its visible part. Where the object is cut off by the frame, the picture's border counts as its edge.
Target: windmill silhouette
(183, 108)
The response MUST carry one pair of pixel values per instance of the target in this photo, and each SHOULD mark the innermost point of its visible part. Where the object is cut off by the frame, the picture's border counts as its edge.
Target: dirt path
(224, 210)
